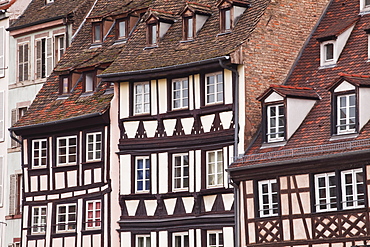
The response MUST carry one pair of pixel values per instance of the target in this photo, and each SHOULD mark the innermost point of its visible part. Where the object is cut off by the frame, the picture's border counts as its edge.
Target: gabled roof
(161, 15)
(336, 29)
(207, 44)
(290, 91)
(197, 8)
(313, 139)
(38, 12)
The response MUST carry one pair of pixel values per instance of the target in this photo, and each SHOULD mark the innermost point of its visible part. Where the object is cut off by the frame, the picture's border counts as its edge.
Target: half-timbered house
(184, 87)
(66, 135)
(304, 181)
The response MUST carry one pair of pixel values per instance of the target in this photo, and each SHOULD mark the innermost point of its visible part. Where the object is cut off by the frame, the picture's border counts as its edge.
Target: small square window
(94, 146)
(215, 239)
(89, 82)
(215, 168)
(214, 88)
(346, 114)
(38, 224)
(64, 85)
(226, 21)
(275, 123)
(188, 23)
(268, 198)
(67, 150)
(328, 55)
(66, 218)
(93, 214)
(141, 98)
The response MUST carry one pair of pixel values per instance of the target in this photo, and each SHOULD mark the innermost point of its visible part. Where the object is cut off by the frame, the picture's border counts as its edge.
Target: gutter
(55, 122)
(236, 132)
(106, 77)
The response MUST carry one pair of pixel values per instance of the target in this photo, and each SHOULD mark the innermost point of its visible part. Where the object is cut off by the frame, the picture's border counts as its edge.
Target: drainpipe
(236, 132)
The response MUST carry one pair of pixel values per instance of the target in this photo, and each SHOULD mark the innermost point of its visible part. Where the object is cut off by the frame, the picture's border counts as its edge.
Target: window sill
(273, 144)
(224, 33)
(328, 66)
(343, 136)
(97, 45)
(63, 96)
(186, 41)
(150, 47)
(364, 11)
(13, 217)
(120, 41)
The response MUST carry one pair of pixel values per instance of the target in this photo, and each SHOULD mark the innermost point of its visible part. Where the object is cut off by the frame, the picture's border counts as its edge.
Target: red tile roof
(290, 91)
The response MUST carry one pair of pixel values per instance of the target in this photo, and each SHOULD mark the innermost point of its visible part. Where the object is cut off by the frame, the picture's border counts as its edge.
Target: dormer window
(346, 113)
(275, 123)
(226, 21)
(329, 52)
(97, 32)
(158, 23)
(49, 1)
(230, 12)
(122, 29)
(188, 28)
(364, 5)
(194, 15)
(64, 85)
(89, 82)
(152, 34)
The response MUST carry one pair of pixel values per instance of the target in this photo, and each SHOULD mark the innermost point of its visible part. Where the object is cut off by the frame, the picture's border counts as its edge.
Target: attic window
(64, 85)
(49, 1)
(275, 123)
(89, 82)
(97, 32)
(346, 114)
(122, 29)
(328, 53)
(188, 23)
(364, 5)
(226, 22)
(152, 34)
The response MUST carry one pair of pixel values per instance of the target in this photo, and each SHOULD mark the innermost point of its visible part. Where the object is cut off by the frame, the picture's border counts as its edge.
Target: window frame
(25, 64)
(355, 194)
(218, 233)
(60, 46)
(226, 27)
(326, 176)
(268, 134)
(40, 218)
(67, 222)
(145, 237)
(95, 39)
(95, 149)
(146, 178)
(188, 33)
(152, 27)
(142, 103)
(182, 236)
(215, 85)
(269, 193)
(95, 221)
(337, 108)
(126, 28)
(44, 57)
(67, 154)
(182, 177)
(64, 88)
(215, 174)
(324, 61)
(40, 150)
(363, 6)
(182, 91)
(93, 85)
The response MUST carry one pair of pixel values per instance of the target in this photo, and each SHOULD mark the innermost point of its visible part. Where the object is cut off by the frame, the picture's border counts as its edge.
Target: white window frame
(276, 135)
(146, 171)
(181, 94)
(67, 147)
(95, 220)
(324, 61)
(355, 184)
(60, 45)
(182, 236)
(40, 227)
(363, 6)
(145, 98)
(40, 157)
(349, 128)
(146, 240)
(67, 222)
(182, 167)
(218, 169)
(270, 193)
(122, 28)
(328, 198)
(218, 88)
(94, 147)
(218, 234)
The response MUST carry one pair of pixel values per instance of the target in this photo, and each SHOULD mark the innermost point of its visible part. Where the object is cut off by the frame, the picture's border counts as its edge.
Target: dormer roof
(333, 31)
(354, 79)
(161, 16)
(290, 91)
(197, 8)
(241, 3)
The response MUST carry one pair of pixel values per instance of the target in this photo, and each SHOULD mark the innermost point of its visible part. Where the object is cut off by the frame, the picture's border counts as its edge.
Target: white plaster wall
(228, 86)
(197, 91)
(198, 175)
(163, 175)
(124, 99)
(273, 97)
(162, 97)
(154, 169)
(241, 91)
(297, 110)
(364, 109)
(228, 236)
(125, 174)
(344, 86)
(200, 20)
(153, 96)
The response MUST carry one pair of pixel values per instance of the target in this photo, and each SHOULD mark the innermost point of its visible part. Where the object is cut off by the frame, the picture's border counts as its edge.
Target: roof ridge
(291, 87)
(354, 75)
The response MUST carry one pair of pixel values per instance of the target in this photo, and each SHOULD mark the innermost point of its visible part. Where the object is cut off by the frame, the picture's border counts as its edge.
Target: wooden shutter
(2, 52)
(13, 194)
(20, 63)
(13, 121)
(2, 109)
(38, 51)
(49, 56)
(25, 49)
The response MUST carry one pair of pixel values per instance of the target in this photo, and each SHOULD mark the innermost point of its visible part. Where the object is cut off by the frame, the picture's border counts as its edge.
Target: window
(64, 85)
(15, 194)
(44, 57)
(180, 171)
(93, 214)
(23, 62)
(180, 239)
(214, 88)
(66, 150)
(142, 174)
(141, 98)
(215, 168)
(180, 93)
(2, 52)
(49, 1)
(325, 192)
(226, 22)
(275, 123)
(89, 82)
(60, 46)
(152, 34)
(66, 217)
(16, 115)
(329, 52)
(39, 153)
(215, 239)
(38, 220)
(94, 146)
(188, 23)
(268, 198)
(364, 5)
(97, 33)
(346, 114)
(353, 189)
(122, 29)
(142, 241)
